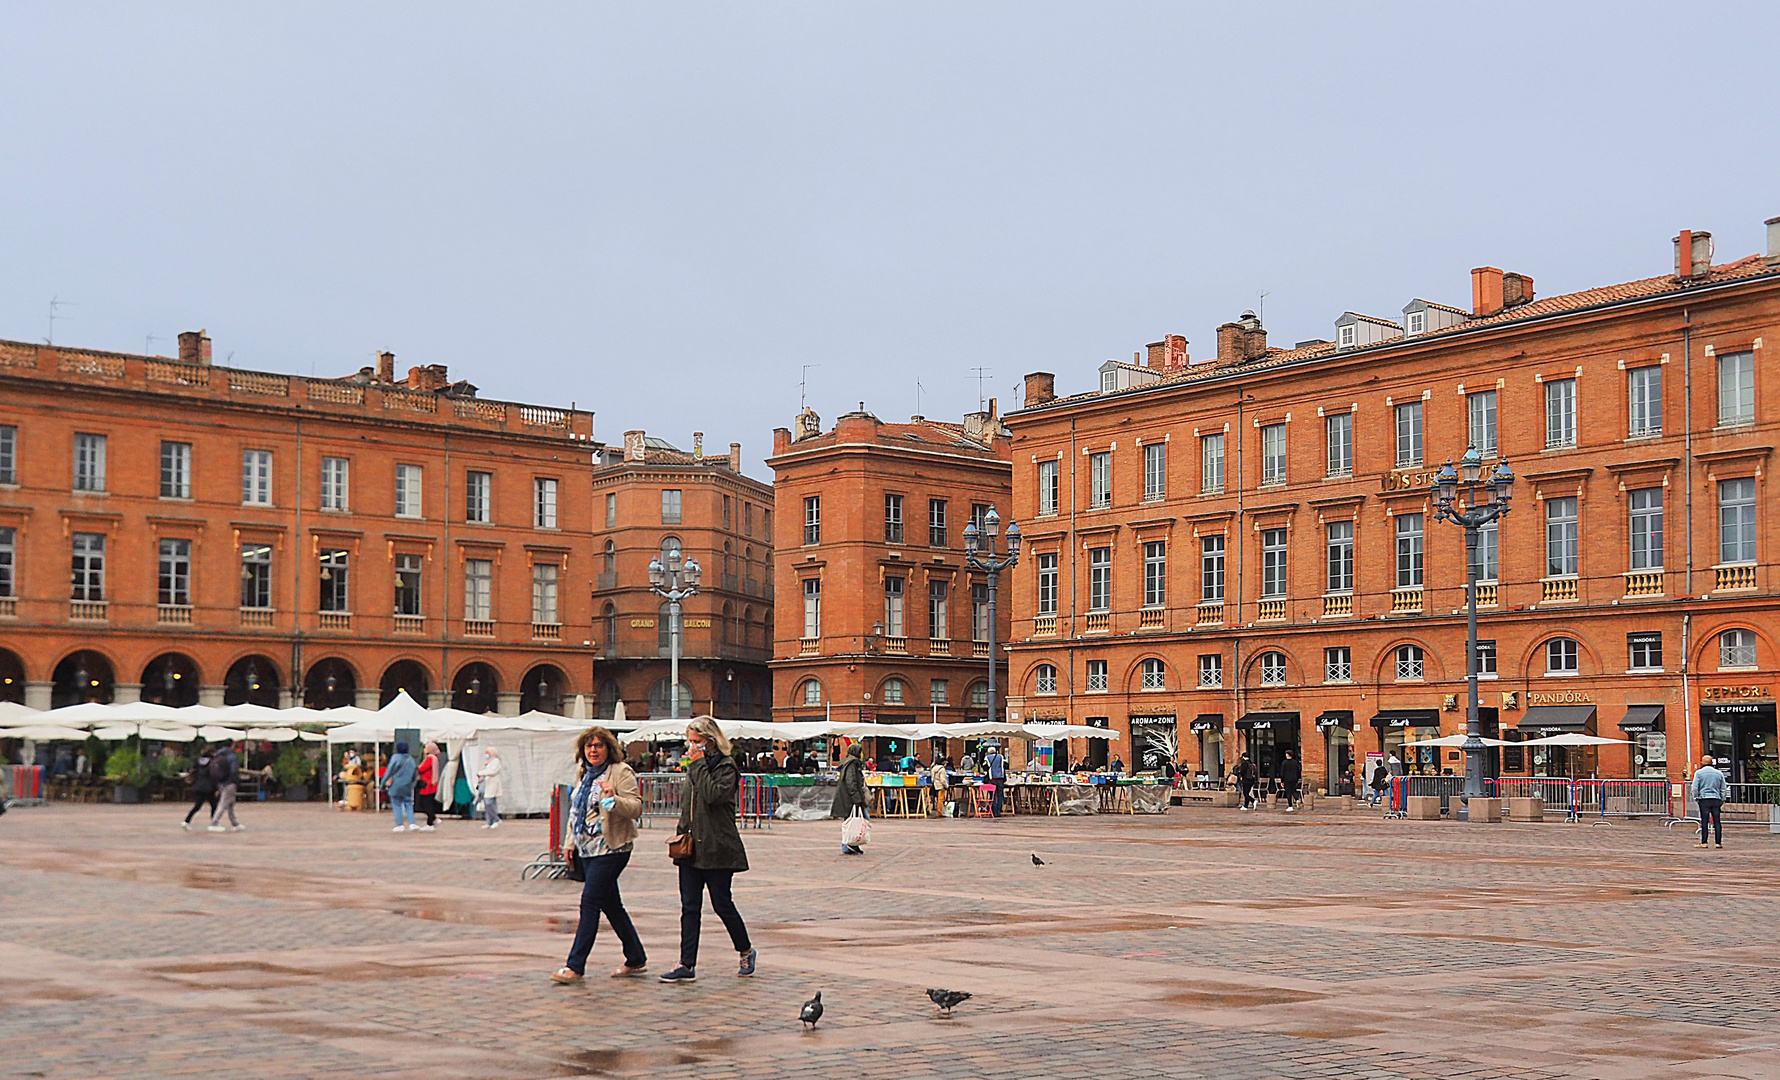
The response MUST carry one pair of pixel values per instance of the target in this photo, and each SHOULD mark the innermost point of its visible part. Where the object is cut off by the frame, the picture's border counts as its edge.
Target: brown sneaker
(627, 970)
(566, 976)
(1702, 843)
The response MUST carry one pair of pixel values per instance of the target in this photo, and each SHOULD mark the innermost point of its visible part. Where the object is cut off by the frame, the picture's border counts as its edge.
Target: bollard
(1424, 807)
(1526, 809)
(1484, 810)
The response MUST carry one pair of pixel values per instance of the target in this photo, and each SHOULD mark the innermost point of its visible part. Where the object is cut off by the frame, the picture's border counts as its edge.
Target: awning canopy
(1268, 720)
(1557, 718)
(1407, 718)
(1334, 718)
(1207, 722)
(1641, 718)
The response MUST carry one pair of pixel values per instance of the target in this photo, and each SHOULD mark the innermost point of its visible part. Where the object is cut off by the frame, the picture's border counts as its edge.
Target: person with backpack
(203, 786)
(225, 770)
(398, 780)
(1381, 782)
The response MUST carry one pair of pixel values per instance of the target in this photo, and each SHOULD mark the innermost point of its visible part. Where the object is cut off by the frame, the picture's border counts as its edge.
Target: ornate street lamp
(1481, 502)
(674, 581)
(979, 554)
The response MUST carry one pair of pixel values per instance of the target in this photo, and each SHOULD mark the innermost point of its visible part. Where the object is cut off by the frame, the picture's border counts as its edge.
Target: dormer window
(1109, 381)
(1346, 336)
(1418, 321)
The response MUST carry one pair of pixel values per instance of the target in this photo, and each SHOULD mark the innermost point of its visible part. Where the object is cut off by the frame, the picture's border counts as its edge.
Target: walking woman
(707, 815)
(849, 794)
(203, 786)
(490, 776)
(603, 816)
(398, 780)
(426, 786)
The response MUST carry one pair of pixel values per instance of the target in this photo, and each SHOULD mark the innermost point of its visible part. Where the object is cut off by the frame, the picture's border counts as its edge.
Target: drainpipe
(445, 587)
(296, 600)
(1687, 439)
(1686, 698)
(1073, 466)
(1241, 539)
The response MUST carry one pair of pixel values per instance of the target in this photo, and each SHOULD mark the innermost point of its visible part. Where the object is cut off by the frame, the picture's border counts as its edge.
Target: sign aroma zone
(1734, 693)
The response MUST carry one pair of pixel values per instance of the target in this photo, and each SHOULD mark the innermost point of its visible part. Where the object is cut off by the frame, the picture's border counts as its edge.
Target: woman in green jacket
(849, 795)
(707, 814)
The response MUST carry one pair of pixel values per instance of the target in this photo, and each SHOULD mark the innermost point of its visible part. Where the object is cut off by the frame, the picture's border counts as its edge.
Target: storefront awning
(1334, 718)
(1557, 718)
(1407, 718)
(1269, 720)
(1641, 718)
(1207, 722)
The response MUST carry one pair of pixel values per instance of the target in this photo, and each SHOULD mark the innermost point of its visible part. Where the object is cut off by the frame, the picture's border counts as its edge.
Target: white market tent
(1460, 740)
(671, 730)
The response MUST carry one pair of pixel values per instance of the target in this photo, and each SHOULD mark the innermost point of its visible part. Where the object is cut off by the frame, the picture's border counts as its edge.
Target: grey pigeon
(1036, 861)
(812, 1011)
(947, 1000)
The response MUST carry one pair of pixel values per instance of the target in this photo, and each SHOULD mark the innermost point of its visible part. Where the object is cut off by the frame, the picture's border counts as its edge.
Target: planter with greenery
(128, 772)
(292, 768)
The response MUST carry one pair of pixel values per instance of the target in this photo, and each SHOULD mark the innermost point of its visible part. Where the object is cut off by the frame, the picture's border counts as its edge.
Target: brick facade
(229, 574)
(717, 516)
(1574, 382)
(884, 540)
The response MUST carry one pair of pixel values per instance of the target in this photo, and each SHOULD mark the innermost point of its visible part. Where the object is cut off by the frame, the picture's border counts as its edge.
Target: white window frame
(1338, 664)
(1273, 668)
(1097, 678)
(1563, 556)
(1274, 582)
(1100, 480)
(1411, 663)
(409, 565)
(1563, 656)
(1100, 579)
(1044, 679)
(336, 484)
(1481, 428)
(1212, 550)
(546, 577)
(176, 470)
(1737, 521)
(89, 462)
(1049, 487)
(1736, 648)
(173, 585)
(1736, 388)
(88, 567)
(1646, 527)
(1409, 434)
(256, 576)
(9, 562)
(1338, 433)
(1411, 541)
(1155, 573)
(256, 478)
(544, 492)
(1211, 671)
(9, 455)
(812, 607)
(1155, 674)
(1560, 414)
(1644, 401)
(409, 498)
(1489, 553)
(812, 519)
(1339, 547)
(1211, 463)
(478, 590)
(1273, 453)
(1641, 641)
(1047, 583)
(672, 506)
(479, 497)
(893, 608)
(1155, 471)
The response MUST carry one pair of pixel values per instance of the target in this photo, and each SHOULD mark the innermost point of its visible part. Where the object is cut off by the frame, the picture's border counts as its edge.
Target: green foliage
(294, 765)
(1770, 775)
(169, 765)
(127, 766)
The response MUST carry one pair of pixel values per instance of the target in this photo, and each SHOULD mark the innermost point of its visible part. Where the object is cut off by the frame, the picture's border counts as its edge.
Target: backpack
(220, 770)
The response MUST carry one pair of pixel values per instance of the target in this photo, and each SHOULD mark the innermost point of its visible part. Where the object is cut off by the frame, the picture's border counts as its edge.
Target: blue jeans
(599, 895)
(403, 807)
(490, 813)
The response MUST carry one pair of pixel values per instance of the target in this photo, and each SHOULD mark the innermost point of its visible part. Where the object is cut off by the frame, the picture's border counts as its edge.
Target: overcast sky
(663, 211)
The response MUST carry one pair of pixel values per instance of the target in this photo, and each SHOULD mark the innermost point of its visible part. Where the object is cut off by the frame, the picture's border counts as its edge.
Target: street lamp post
(674, 581)
(979, 553)
(1482, 502)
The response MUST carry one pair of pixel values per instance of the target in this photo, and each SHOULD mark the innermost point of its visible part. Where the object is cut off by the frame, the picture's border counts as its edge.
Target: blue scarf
(578, 805)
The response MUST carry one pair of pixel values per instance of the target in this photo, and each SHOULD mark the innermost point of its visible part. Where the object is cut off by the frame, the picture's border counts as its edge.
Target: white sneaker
(238, 828)
(423, 828)
(413, 827)
(494, 824)
(1291, 809)
(217, 828)
(186, 825)
(399, 828)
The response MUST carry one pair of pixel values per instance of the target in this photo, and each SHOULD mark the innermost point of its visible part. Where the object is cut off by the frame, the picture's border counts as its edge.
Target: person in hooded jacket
(203, 786)
(708, 814)
(398, 780)
(849, 794)
(225, 770)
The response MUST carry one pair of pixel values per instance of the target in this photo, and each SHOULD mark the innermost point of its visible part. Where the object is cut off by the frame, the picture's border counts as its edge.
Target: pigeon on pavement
(1036, 861)
(947, 1000)
(812, 1011)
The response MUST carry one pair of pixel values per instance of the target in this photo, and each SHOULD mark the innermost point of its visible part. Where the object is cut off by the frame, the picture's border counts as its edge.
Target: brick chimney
(809, 425)
(194, 347)
(1486, 292)
(1773, 225)
(781, 440)
(1041, 386)
(735, 457)
(1517, 289)
(1169, 354)
(1244, 339)
(386, 367)
(698, 446)
(1693, 255)
(634, 449)
(428, 379)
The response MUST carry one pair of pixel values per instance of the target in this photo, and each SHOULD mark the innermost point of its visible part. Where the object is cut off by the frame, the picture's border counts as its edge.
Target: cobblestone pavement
(1206, 944)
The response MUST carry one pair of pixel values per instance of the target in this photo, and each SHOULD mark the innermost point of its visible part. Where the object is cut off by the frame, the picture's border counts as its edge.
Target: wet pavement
(1205, 943)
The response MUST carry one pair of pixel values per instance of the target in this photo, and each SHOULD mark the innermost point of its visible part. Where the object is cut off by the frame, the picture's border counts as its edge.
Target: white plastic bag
(856, 830)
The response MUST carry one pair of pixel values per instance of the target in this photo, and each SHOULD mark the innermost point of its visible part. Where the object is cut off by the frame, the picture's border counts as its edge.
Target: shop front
(1740, 732)
(1544, 721)
(1155, 741)
(1208, 728)
(1266, 737)
(1643, 724)
(1394, 727)
(1337, 728)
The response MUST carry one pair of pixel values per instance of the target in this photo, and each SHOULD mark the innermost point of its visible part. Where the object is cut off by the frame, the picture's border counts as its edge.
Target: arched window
(728, 561)
(610, 615)
(893, 691)
(812, 692)
(664, 623)
(1044, 679)
(1410, 663)
(1154, 675)
(1273, 669)
(1562, 656)
(611, 565)
(658, 699)
(747, 626)
(979, 694)
(607, 705)
(1736, 649)
(728, 622)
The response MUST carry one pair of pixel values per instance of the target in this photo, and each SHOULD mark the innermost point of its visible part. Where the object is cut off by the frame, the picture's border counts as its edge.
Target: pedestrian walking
(942, 786)
(1291, 777)
(225, 770)
(603, 816)
(1709, 792)
(426, 786)
(849, 794)
(997, 766)
(203, 787)
(489, 777)
(1247, 777)
(707, 817)
(1381, 781)
(398, 779)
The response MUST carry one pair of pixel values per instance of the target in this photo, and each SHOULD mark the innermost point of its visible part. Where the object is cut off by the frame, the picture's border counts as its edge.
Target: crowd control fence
(1748, 804)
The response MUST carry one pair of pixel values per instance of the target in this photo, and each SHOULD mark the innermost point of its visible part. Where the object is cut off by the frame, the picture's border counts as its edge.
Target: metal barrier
(552, 862)
(756, 801)
(660, 793)
(1398, 807)
(760, 798)
(1447, 788)
(1557, 792)
(1604, 799)
(1748, 804)
(27, 785)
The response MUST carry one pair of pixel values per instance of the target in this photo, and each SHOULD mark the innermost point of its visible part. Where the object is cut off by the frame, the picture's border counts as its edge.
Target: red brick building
(187, 533)
(882, 619)
(1242, 554)
(649, 497)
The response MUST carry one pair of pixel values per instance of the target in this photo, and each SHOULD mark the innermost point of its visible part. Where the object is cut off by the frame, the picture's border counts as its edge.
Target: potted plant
(293, 768)
(169, 770)
(1770, 779)
(128, 771)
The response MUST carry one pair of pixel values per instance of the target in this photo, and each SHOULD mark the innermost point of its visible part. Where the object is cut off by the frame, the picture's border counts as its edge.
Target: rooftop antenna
(53, 305)
(803, 386)
(1262, 314)
(918, 396)
(980, 398)
(148, 343)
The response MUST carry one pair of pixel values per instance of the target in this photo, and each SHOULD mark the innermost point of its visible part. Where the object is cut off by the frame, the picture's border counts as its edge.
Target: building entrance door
(1742, 733)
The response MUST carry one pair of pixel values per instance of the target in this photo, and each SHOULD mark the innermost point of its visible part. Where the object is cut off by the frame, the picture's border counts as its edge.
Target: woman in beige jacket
(603, 816)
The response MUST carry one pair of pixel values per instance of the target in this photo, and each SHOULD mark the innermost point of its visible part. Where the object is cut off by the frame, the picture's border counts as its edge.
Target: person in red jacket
(426, 785)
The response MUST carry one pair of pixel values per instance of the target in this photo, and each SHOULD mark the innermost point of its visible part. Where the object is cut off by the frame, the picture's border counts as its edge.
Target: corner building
(883, 622)
(183, 533)
(653, 497)
(1242, 554)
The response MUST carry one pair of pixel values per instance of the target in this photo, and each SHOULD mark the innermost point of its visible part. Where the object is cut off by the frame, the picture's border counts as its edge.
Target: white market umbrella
(176, 733)
(116, 732)
(47, 733)
(1460, 740)
(1575, 739)
(580, 711)
(618, 713)
(218, 733)
(92, 712)
(12, 714)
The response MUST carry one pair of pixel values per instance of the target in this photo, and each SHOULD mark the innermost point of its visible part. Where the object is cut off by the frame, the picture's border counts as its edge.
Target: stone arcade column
(507, 703)
(126, 693)
(212, 696)
(365, 697)
(38, 695)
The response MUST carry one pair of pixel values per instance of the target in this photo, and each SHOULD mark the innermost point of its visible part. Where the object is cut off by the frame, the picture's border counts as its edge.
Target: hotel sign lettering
(1734, 693)
(1406, 481)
